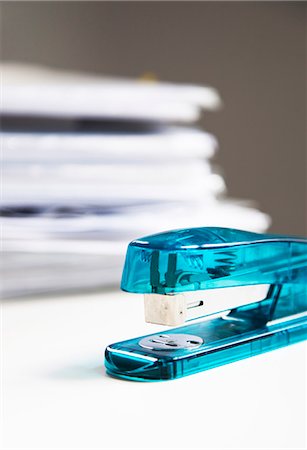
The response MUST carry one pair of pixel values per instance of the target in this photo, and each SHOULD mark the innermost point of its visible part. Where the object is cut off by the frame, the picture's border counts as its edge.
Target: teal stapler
(241, 293)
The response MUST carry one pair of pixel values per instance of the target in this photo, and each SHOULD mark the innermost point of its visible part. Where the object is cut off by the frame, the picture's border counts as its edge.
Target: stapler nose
(132, 365)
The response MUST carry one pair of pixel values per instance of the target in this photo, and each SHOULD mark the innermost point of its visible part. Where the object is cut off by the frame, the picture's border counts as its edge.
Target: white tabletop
(56, 394)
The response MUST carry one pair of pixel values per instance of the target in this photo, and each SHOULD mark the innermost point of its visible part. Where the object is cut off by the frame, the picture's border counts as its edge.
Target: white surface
(56, 394)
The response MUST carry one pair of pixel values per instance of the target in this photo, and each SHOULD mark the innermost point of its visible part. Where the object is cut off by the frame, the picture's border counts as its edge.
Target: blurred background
(246, 151)
(253, 53)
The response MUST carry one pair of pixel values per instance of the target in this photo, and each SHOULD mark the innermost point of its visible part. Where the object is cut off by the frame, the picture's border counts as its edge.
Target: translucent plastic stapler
(244, 293)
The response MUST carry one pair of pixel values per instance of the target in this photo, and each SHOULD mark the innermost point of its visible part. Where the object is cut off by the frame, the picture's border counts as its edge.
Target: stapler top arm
(189, 260)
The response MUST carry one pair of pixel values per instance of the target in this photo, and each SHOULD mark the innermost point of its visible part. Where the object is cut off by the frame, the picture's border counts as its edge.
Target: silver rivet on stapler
(171, 342)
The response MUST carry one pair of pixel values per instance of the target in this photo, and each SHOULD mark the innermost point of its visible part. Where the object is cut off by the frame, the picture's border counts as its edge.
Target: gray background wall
(254, 53)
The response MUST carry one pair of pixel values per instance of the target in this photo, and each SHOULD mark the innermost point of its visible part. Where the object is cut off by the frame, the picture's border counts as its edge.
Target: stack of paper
(90, 163)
